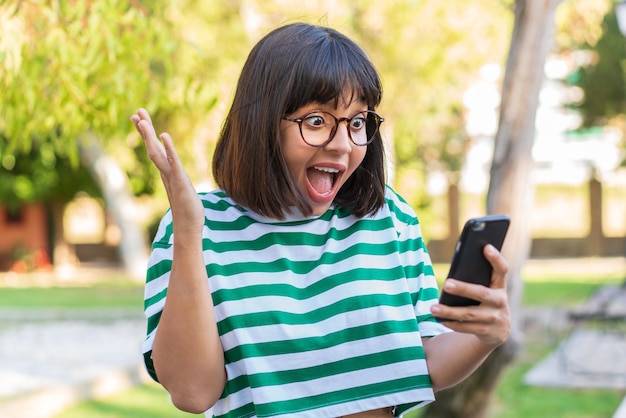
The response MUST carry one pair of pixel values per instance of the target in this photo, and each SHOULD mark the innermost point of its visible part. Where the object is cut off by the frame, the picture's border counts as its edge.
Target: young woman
(302, 286)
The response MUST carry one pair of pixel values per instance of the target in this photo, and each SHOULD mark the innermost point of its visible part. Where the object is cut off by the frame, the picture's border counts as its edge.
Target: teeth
(327, 169)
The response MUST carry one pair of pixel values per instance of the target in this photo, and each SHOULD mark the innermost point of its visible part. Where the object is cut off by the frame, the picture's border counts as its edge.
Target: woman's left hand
(490, 321)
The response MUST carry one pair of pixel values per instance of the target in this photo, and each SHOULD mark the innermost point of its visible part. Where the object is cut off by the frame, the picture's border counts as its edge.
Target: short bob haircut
(291, 67)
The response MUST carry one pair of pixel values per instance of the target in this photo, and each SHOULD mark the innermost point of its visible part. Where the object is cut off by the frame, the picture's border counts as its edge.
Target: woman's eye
(315, 120)
(357, 123)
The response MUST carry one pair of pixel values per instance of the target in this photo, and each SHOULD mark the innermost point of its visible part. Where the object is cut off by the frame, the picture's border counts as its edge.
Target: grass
(146, 401)
(513, 399)
(117, 293)
(565, 291)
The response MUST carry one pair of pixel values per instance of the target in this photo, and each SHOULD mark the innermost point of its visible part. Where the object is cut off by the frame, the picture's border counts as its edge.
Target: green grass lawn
(102, 295)
(512, 399)
(565, 290)
(146, 401)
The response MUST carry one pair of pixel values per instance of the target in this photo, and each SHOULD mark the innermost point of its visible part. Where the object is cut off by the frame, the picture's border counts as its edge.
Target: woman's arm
(187, 353)
(451, 357)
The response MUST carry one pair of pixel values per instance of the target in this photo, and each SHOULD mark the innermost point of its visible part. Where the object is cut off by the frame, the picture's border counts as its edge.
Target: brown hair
(290, 67)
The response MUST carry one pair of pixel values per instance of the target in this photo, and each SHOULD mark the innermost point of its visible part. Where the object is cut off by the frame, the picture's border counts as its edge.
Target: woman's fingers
(490, 320)
(473, 291)
(143, 113)
(155, 148)
(500, 267)
(170, 152)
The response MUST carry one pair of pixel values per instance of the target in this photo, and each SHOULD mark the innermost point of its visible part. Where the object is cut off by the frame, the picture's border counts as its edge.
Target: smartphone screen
(468, 262)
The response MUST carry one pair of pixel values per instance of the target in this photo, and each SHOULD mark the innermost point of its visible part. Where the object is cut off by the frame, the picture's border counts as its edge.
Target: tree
(603, 79)
(510, 191)
(71, 73)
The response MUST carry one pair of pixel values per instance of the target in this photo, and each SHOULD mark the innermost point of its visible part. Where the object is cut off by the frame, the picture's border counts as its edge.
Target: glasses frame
(368, 114)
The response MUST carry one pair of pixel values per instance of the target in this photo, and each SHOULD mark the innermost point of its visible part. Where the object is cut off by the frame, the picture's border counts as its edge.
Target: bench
(607, 304)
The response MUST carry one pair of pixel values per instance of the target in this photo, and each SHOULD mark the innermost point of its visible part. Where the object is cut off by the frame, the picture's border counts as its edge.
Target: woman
(302, 287)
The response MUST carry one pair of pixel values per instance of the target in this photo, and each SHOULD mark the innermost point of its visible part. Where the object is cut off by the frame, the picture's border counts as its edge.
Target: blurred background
(80, 201)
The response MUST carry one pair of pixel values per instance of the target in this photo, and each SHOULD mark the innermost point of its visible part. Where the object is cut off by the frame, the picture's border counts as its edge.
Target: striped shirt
(318, 317)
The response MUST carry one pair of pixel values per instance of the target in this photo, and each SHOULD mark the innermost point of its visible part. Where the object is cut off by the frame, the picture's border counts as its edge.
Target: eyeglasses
(318, 128)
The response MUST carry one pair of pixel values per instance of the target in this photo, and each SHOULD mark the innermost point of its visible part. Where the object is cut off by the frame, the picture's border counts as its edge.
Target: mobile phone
(468, 261)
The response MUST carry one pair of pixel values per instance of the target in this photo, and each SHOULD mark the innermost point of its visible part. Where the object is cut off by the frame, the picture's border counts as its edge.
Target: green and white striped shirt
(318, 317)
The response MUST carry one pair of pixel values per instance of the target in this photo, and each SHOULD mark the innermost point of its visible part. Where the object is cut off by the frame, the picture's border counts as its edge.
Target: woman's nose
(341, 141)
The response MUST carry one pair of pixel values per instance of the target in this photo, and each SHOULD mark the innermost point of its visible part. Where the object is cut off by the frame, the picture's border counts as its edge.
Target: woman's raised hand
(187, 209)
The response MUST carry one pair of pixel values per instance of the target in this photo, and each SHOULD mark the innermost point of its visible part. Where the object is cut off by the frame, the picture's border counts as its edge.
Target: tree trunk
(453, 216)
(63, 253)
(511, 191)
(113, 181)
(595, 238)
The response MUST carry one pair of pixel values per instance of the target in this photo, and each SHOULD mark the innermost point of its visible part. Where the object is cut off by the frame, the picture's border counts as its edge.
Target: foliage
(41, 174)
(72, 67)
(603, 80)
(67, 68)
(579, 23)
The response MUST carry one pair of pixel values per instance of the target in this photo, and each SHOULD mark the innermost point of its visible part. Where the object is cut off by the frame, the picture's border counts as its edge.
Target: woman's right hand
(187, 209)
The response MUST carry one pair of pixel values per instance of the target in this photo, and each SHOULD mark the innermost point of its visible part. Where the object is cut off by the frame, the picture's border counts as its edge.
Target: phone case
(468, 262)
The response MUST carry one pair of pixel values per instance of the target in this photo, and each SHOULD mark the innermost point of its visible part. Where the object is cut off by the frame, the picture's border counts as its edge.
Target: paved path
(593, 350)
(51, 359)
(587, 358)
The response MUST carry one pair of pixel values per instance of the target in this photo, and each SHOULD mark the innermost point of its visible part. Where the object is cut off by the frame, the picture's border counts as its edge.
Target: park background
(79, 197)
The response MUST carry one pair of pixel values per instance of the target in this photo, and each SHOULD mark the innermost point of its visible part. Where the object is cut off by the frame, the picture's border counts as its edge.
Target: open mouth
(323, 180)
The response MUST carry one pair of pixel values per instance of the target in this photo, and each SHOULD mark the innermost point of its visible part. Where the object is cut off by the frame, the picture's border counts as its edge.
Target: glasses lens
(317, 127)
(358, 129)
(364, 127)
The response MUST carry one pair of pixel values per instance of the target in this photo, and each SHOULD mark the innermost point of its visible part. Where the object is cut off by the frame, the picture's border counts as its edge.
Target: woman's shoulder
(396, 205)
(215, 196)
(218, 201)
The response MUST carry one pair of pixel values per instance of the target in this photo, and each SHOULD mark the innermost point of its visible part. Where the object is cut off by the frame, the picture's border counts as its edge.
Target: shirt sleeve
(157, 280)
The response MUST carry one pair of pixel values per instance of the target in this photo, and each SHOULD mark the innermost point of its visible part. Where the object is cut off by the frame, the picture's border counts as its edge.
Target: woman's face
(319, 172)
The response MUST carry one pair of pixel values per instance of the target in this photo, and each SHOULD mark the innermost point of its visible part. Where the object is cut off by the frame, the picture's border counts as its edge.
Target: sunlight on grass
(146, 401)
(565, 289)
(578, 277)
(102, 295)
